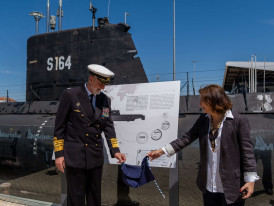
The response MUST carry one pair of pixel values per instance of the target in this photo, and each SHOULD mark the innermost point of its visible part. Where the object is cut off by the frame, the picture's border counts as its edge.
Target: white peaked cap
(100, 70)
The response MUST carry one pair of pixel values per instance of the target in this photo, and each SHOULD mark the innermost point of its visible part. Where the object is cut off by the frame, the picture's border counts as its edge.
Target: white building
(249, 76)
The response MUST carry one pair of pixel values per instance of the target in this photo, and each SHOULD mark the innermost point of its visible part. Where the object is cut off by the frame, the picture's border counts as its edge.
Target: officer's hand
(60, 163)
(155, 154)
(120, 156)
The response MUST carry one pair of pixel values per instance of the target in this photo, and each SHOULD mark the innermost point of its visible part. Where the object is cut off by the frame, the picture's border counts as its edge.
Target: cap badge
(78, 104)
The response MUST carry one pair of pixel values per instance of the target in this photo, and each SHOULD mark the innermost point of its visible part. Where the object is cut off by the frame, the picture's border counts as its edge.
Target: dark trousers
(84, 185)
(218, 199)
(265, 156)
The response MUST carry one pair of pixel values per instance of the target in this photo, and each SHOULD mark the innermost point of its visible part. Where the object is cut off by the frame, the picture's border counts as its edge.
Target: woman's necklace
(213, 134)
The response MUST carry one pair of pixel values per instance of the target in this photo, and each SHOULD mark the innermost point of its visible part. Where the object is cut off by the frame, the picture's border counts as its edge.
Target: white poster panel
(145, 118)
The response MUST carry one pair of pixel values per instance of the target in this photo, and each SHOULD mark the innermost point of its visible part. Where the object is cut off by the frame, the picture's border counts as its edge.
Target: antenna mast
(48, 16)
(37, 16)
(108, 7)
(126, 14)
(60, 15)
(93, 10)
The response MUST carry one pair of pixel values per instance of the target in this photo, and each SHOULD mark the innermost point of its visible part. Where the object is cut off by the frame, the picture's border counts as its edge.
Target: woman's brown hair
(216, 98)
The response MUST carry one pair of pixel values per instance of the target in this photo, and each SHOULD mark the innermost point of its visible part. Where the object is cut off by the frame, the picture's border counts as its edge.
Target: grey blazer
(236, 155)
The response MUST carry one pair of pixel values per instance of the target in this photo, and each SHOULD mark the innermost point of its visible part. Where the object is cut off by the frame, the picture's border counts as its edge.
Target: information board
(145, 118)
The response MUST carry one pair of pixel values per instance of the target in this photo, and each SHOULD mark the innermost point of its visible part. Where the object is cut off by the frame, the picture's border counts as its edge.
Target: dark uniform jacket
(236, 154)
(78, 128)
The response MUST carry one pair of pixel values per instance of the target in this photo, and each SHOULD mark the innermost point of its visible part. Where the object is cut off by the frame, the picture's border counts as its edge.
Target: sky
(210, 32)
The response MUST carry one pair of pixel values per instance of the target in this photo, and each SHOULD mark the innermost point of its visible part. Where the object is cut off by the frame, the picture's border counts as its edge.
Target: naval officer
(83, 114)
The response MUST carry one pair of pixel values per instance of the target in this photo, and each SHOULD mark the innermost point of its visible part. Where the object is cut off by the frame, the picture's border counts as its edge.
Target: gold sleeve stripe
(58, 144)
(58, 141)
(57, 149)
(114, 142)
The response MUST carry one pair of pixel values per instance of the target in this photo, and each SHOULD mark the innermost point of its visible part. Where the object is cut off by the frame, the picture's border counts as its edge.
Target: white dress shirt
(214, 183)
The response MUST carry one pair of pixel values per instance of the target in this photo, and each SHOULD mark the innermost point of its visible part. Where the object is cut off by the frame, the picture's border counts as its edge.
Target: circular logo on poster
(165, 125)
(156, 134)
(142, 138)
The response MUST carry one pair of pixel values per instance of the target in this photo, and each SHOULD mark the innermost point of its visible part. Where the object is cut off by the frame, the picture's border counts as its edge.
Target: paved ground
(4, 203)
(46, 186)
(41, 185)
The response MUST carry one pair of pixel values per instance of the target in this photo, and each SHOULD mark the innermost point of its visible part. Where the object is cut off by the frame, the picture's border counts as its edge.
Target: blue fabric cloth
(136, 176)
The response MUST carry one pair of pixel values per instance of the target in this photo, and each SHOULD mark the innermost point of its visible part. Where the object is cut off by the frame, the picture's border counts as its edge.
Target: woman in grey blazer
(227, 168)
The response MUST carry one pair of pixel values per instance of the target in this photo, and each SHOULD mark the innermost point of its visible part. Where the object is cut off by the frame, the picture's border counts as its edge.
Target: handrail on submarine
(35, 93)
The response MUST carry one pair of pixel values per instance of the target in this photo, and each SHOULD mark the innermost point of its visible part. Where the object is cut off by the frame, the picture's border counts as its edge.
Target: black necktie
(91, 98)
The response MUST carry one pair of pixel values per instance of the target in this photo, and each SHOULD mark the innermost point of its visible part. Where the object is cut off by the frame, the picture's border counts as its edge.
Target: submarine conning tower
(58, 60)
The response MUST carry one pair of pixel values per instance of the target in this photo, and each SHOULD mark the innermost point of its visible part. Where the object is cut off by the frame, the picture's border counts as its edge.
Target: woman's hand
(249, 187)
(155, 154)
